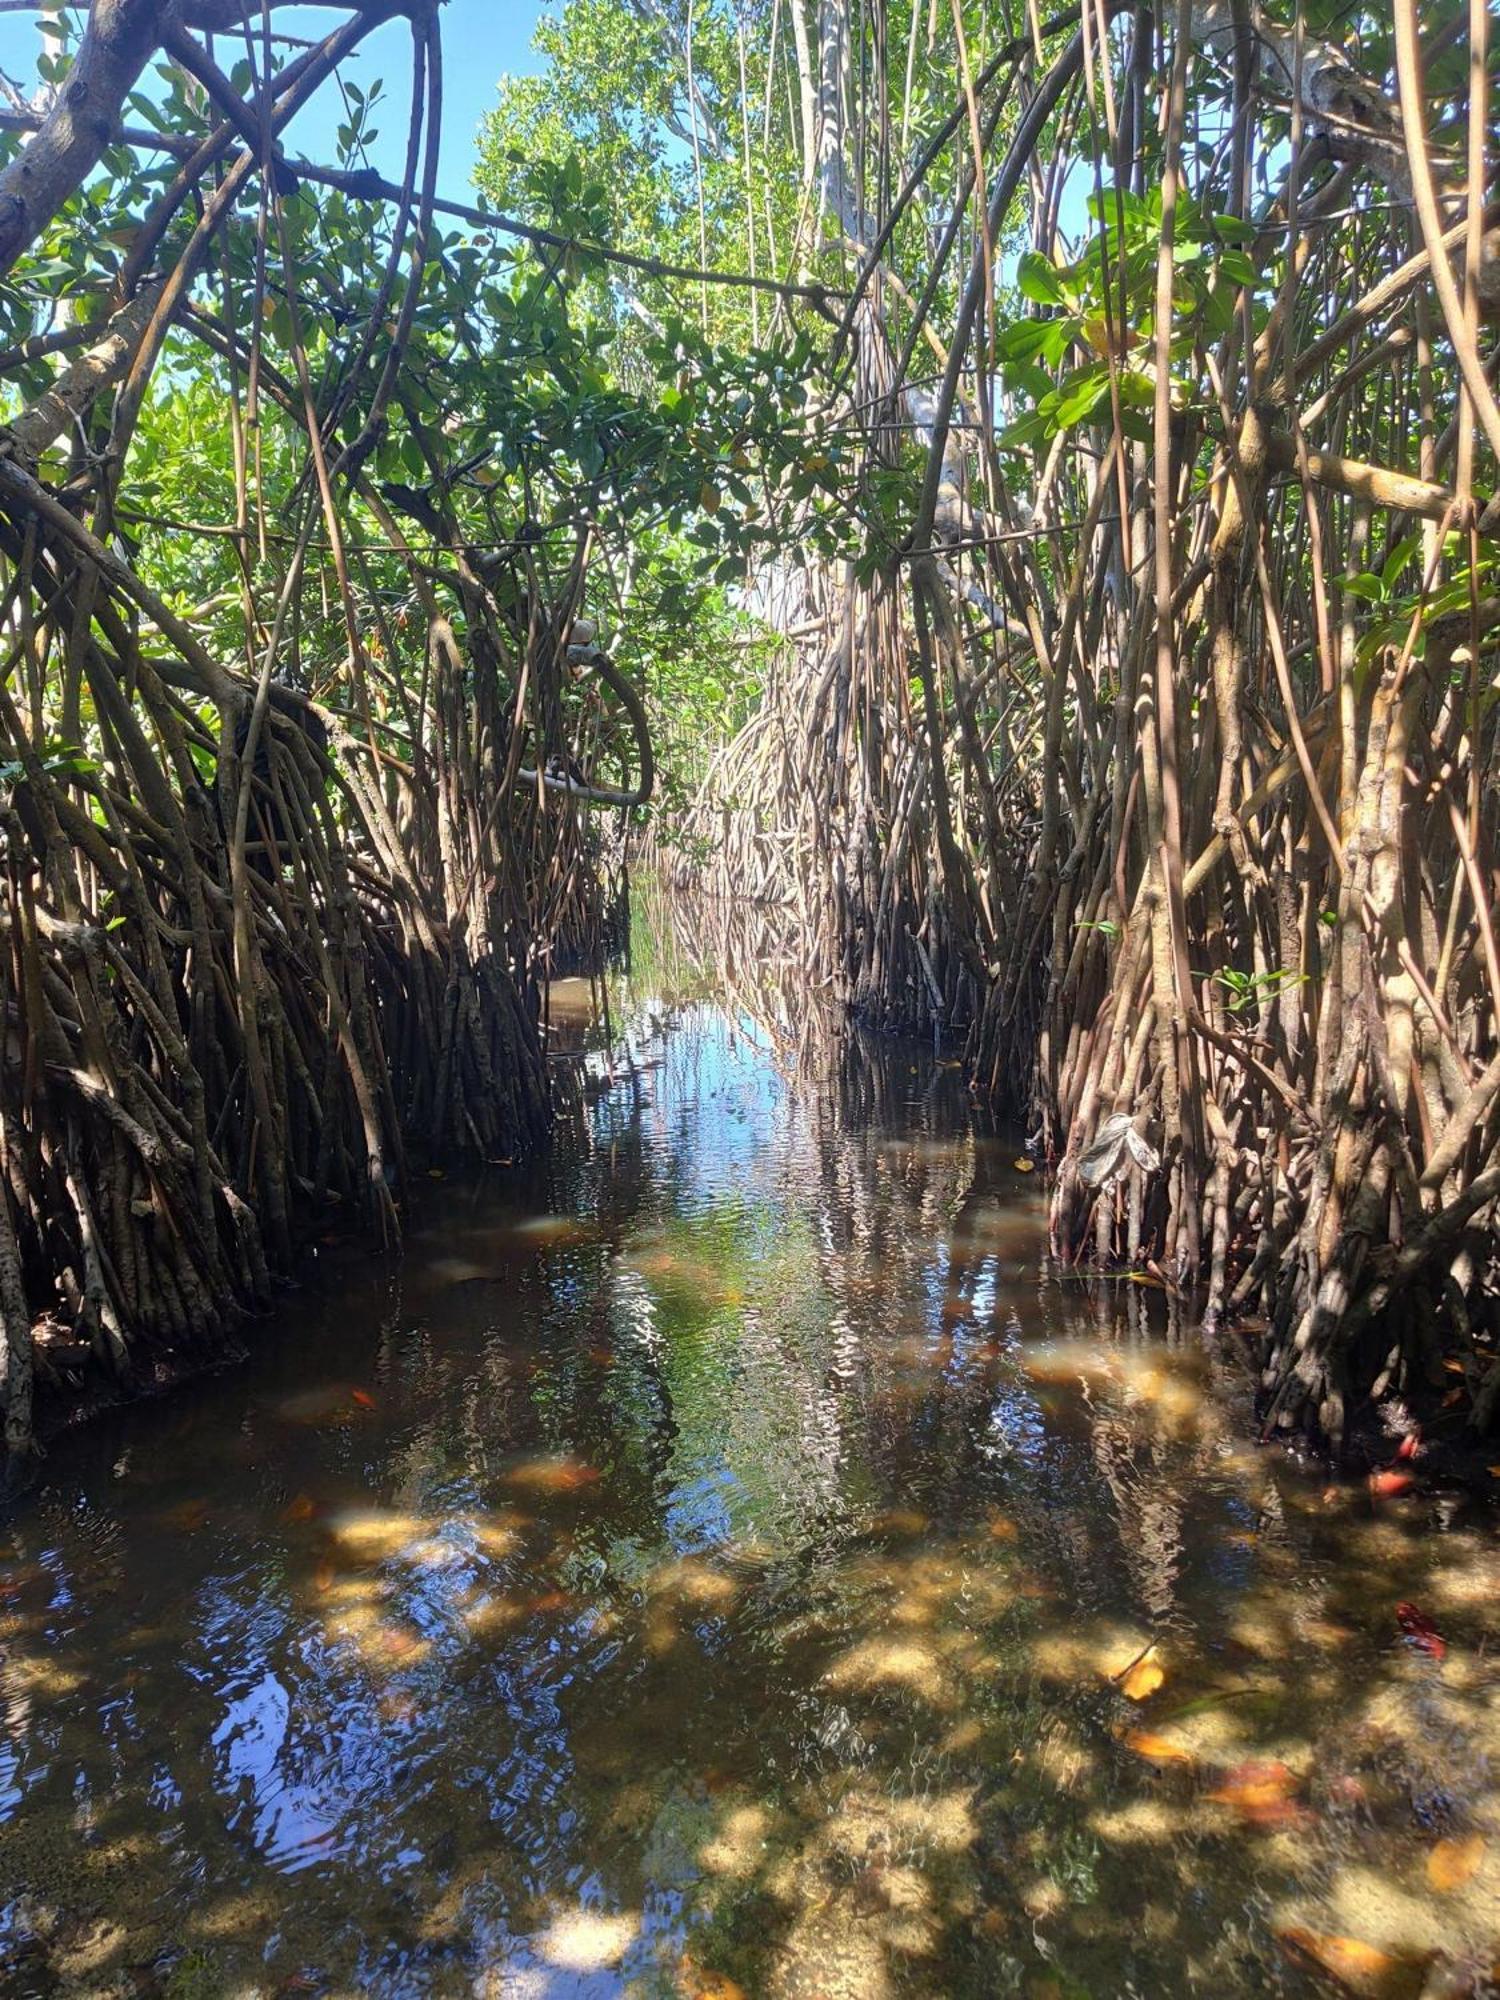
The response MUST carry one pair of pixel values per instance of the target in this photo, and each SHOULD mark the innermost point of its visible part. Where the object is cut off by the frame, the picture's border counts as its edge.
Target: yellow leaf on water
(1143, 1676)
(1452, 1862)
(1024, 1166)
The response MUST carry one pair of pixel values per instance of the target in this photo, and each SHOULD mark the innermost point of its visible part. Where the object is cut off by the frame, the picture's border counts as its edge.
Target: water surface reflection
(726, 1562)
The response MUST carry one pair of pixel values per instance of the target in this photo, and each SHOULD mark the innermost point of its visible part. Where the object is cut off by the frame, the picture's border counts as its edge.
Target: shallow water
(729, 1561)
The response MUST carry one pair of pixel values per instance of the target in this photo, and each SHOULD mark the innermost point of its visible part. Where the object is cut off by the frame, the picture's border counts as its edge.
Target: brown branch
(1376, 484)
(116, 45)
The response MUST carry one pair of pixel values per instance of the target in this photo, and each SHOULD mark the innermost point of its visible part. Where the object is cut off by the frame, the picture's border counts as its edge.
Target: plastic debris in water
(1115, 1146)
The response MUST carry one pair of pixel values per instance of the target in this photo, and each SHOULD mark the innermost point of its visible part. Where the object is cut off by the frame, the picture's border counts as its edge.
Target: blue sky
(482, 40)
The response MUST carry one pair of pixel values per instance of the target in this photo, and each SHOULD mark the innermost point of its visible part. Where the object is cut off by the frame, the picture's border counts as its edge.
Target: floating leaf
(552, 1475)
(1024, 1166)
(302, 1508)
(1453, 1862)
(1261, 1791)
(1144, 1678)
(1420, 1631)
(1387, 1485)
(363, 1397)
(1156, 1749)
(695, 1983)
(549, 1601)
(1358, 1967)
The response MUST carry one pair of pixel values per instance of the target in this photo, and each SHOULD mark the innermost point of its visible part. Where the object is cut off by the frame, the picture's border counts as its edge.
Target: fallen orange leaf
(363, 1397)
(1157, 1749)
(1452, 1862)
(1386, 1485)
(1144, 1677)
(697, 1984)
(1261, 1793)
(550, 1600)
(301, 1509)
(1358, 1967)
(552, 1475)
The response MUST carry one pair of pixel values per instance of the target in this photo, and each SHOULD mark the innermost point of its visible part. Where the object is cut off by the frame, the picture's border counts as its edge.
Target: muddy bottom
(731, 1562)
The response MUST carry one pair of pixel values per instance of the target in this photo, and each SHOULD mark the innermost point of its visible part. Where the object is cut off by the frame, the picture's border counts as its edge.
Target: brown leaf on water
(302, 1508)
(1452, 1863)
(1361, 1969)
(1002, 1528)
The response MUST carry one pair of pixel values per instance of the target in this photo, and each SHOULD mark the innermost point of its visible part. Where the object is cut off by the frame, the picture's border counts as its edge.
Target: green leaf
(1038, 279)
(1238, 268)
(1080, 396)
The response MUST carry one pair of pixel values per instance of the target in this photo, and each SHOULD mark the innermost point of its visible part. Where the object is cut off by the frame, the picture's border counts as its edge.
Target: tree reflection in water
(734, 1561)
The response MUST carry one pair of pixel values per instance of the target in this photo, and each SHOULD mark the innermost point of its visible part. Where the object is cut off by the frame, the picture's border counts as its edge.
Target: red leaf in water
(363, 1397)
(1420, 1631)
(1409, 1446)
(1386, 1485)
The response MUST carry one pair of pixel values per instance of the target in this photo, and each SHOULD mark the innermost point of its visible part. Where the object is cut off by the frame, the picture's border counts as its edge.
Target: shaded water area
(729, 1560)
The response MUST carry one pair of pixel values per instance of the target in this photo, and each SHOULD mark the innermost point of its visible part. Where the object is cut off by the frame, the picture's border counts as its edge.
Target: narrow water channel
(731, 1562)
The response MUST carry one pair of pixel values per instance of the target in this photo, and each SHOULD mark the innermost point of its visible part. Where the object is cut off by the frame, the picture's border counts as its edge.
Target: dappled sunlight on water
(730, 1562)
